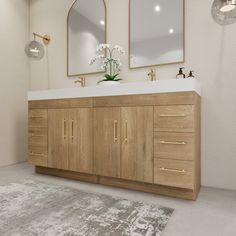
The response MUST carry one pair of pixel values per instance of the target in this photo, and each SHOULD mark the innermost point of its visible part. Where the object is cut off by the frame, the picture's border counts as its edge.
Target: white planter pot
(109, 83)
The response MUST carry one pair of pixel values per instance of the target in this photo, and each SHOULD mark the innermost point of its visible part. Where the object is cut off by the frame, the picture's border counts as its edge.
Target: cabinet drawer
(174, 173)
(38, 160)
(38, 136)
(178, 146)
(179, 118)
(38, 151)
(37, 131)
(38, 118)
(39, 141)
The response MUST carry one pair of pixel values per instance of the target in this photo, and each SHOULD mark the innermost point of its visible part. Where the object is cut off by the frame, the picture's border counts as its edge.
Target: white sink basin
(160, 86)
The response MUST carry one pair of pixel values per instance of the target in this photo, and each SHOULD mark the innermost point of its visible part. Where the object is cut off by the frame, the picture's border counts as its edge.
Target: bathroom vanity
(140, 136)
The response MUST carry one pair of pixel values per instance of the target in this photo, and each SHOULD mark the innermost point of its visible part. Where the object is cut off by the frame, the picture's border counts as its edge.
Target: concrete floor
(213, 214)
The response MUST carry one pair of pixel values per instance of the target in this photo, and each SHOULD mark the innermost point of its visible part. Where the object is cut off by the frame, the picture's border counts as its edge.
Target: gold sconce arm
(46, 38)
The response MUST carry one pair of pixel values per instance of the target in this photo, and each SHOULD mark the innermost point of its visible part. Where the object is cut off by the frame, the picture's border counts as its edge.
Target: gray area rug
(31, 208)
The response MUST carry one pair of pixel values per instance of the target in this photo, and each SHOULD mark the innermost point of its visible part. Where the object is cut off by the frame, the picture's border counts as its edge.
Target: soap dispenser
(181, 75)
(191, 76)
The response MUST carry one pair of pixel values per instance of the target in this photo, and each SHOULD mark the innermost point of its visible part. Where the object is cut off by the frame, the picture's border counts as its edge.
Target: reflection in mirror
(86, 28)
(156, 32)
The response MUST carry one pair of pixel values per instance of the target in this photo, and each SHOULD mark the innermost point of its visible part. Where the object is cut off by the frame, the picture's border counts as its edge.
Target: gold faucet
(152, 74)
(81, 81)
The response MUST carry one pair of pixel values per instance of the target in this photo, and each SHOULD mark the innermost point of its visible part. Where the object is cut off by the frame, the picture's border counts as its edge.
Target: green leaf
(108, 77)
(117, 79)
(115, 76)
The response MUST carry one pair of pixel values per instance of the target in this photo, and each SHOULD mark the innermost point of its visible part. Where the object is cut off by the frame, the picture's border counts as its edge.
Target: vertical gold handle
(115, 131)
(64, 128)
(126, 131)
(72, 130)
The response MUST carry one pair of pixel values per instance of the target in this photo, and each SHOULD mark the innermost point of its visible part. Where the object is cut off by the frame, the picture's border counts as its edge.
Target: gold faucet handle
(152, 74)
(81, 81)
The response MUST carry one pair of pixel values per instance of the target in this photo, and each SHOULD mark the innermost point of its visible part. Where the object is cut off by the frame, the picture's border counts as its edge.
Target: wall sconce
(224, 11)
(35, 49)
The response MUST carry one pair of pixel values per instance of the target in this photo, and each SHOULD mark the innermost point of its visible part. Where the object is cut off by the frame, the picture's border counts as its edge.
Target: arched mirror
(86, 28)
(156, 32)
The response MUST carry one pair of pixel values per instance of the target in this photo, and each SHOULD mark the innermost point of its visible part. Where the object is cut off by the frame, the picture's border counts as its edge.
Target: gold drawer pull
(37, 154)
(173, 143)
(37, 135)
(174, 115)
(115, 131)
(172, 170)
(38, 117)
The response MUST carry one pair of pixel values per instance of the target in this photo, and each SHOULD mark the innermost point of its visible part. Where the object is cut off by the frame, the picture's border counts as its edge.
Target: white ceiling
(93, 10)
(146, 23)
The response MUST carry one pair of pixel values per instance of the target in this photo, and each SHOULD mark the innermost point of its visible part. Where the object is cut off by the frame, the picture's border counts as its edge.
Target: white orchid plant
(105, 53)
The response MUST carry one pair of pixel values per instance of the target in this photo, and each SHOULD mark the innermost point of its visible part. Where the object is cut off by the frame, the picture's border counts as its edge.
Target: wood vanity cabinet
(38, 137)
(107, 141)
(123, 143)
(137, 143)
(70, 139)
(146, 142)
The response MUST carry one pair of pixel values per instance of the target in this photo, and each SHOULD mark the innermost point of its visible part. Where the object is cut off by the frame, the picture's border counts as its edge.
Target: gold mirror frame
(131, 68)
(92, 73)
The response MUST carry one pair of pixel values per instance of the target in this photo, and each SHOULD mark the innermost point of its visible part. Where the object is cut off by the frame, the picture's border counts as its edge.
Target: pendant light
(35, 49)
(224, 11)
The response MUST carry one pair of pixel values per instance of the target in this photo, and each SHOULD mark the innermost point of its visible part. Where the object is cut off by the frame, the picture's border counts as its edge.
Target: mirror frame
(155, 65)
(68, 14)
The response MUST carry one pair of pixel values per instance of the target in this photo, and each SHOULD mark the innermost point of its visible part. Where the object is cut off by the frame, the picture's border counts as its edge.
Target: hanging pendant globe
(224, 11)
(35, 50)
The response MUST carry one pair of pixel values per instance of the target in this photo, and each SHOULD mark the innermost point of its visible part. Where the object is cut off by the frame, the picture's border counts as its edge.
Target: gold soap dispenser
(180, 75)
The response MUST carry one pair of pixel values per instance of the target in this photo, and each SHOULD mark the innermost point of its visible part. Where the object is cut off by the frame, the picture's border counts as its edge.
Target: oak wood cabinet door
(81, 140)
(107, 141)
(58, 136)
(137, 143)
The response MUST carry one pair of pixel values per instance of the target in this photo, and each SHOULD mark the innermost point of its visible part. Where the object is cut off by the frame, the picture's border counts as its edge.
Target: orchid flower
(105, 53)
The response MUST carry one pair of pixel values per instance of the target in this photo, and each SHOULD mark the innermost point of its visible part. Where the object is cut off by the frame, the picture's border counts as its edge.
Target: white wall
(210, 52)
(14, 69)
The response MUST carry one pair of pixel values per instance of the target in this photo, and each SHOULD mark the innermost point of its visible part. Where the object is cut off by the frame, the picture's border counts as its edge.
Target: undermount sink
(149, 87)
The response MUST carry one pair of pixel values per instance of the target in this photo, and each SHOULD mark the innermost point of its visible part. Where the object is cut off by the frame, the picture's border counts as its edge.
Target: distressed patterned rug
(33, 208)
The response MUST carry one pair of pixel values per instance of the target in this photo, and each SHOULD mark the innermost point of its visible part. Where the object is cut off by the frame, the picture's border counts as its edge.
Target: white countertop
(150, 87)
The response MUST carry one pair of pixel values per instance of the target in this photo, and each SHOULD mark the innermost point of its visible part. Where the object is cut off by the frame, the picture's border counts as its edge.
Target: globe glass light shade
(227, 8)
(35, 50)
(224, 11)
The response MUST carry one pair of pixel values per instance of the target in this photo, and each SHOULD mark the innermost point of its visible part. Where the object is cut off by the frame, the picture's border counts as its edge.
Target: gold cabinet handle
(38, 117)
(115, 131)
(172, 170)
(72, 129)
(64, 128)
(173, 143)
(126, 131)
(37, 135)
(37, 154)
(173, 115)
